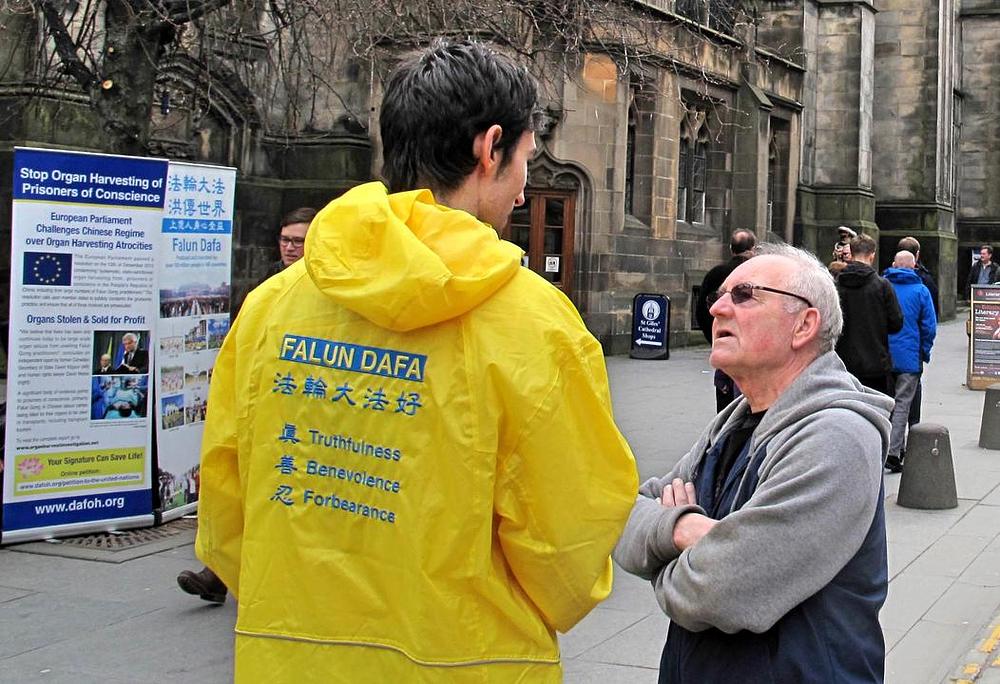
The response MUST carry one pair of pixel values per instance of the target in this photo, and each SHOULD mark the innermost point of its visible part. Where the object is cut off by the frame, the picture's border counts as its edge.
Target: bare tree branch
(184, 11)
(66, 47)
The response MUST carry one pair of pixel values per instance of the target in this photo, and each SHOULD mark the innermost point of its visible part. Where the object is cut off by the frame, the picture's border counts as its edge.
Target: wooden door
(543, 227)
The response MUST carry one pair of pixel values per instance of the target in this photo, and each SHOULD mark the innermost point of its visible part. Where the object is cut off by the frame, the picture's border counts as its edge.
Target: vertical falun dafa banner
(83, 308)
(194, 317)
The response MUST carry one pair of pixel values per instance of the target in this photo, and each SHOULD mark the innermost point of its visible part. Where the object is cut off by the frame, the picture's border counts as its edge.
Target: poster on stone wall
(984, 342)
(194, 269)
(83, 307)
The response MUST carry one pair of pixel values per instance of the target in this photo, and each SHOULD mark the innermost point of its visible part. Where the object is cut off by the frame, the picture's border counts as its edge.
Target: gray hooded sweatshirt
(817, 457)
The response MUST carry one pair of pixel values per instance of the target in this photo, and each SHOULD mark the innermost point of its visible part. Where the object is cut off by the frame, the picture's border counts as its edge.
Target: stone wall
(979, 178)
(906, 100)
(913, 141)
(836, 177)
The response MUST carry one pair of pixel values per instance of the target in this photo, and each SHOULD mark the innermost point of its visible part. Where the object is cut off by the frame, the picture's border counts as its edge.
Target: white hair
(812, 280)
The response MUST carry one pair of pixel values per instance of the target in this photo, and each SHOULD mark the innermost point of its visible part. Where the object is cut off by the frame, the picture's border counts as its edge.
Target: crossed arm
(690, 526)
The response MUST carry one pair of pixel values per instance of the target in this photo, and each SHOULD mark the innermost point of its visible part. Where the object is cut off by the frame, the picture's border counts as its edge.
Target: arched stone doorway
(550, 226)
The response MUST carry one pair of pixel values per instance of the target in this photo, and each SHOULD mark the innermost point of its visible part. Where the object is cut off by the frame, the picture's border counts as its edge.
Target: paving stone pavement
(73, 620)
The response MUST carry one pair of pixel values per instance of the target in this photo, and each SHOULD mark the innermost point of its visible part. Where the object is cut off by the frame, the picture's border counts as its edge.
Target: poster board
(82, 309)
(101, 244)
(984, 337)
(195, 274)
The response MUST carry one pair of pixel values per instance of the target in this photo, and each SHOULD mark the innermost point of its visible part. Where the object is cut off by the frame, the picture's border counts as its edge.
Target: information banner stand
(984, 338)
(195, 272)
(83, 305)
(120, 273)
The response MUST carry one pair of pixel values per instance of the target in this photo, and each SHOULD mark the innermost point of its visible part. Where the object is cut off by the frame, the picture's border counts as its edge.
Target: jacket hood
(403, 261)
(856, 275)
(825, 384)
(902, 276)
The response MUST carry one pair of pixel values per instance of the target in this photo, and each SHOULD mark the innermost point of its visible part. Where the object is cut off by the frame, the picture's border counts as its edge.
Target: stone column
(914, 134)
(752, 134)
(836, 188)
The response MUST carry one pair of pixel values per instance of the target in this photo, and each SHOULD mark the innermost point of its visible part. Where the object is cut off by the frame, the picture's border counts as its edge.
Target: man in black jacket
(741, 246)
(910, 244)
(291, 244)
(985, 271)
(871, 314)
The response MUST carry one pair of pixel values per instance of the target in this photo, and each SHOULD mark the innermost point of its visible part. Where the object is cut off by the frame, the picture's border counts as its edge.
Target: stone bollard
(989, 427)
(928, 479)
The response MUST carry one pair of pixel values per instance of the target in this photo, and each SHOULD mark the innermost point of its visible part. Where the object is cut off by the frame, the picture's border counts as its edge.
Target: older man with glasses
(766, 543)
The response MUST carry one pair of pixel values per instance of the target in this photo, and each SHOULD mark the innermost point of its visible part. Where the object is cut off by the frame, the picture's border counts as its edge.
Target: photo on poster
(196, 382)
(171, 379)
(197, 402)
(172, 346)
(217, 330)
(196, 379)
(172, 410)
(196, 338)
(194, 299)
(115, 397)
(182, 488)
(120, 352)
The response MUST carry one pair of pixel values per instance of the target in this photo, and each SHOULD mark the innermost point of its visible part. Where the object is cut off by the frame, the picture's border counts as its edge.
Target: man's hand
(679, 493)
(690, 527)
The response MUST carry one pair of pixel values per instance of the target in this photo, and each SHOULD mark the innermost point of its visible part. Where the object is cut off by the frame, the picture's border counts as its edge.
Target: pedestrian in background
(291, 245)
(871, 314)
(910, 348)
(985, 271)
(912, 245)
(741, 247)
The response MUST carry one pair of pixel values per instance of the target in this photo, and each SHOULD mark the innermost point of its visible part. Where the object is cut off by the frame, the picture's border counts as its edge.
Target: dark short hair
(742, 241)
(863, 244)
(300, 215)
(988, 248)
(437, 102)
(908, 244)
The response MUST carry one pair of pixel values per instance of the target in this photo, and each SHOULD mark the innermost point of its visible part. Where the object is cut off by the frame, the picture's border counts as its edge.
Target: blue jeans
(906, 388)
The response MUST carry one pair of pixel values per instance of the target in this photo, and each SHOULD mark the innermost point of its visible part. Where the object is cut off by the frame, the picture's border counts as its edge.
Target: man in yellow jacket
(410, 468)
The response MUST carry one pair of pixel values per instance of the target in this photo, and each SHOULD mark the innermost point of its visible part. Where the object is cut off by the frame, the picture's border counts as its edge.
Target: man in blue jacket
(910, 347)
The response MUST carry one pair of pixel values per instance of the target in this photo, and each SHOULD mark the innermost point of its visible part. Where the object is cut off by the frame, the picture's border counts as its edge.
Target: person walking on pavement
(741, 246)
(985, 271)
(871, 314)
(910, 347)
(912, 245)
(396, 420)
(291, 242)
(766, 543)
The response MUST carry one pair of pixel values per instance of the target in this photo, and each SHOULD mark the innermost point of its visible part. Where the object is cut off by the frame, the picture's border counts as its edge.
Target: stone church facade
(802, 116)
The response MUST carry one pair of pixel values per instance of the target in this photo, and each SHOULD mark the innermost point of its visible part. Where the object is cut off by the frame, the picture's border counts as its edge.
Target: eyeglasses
(744, 292)
(285, 241)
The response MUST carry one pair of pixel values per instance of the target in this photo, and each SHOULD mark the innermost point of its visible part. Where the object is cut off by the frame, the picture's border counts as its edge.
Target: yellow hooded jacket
(410, 469)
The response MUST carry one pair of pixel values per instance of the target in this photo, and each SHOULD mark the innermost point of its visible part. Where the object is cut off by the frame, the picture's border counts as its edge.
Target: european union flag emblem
(48, 268)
